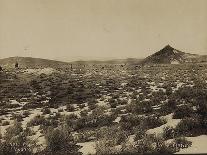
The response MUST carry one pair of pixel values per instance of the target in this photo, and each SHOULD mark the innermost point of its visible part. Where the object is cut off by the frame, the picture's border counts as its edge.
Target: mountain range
(167, 55)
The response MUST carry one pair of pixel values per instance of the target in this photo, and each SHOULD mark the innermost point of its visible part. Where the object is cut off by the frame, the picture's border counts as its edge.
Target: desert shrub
(183, 111)
(28, 131)
(204, 124)
(12, 106)
(14, 130)
(114, 135)
(103, 120)
(37, 120)
(71, 120)
(149, 144)
(139, 133)
(5, 123)
(152, 144)
(72, 116)
(115, 95)
(54, 105)
(185, 92)
(3, 112)
(60, 141)
(70, 108)
(169, 90)
(92, 106)
(122, 102)
(81, 106)
(31, 105)
(108, 138)
(85, 135)
(168, 132)
(56, 115)
(6, 149)
(0, 135)
(92, 101)
(17, 117)
(84, 113)
(45, 111)
(168, 107)
(142, 107)
(141, 97)
(99, 110)
(93, 121)
(202, 105)
(201, 111)
(50, 122)
(188, 127)
(60, 110)
(128, 148)
(130, 107)
(26, 113)
(127, 122)
(19, 145)
(16, 142)
(134, 95)
(117, 111)
(153, 122)
(113, 103)
(103, 148)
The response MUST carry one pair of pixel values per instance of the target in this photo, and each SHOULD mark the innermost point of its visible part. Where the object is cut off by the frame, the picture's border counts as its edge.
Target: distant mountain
(28, 62)
(170, 55)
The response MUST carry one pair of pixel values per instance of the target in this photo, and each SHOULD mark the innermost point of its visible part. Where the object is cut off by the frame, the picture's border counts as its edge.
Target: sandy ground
(40, 71)
(87, 148)
(3, 129)
(199, 145)
(170, 122)
(34, 113)
(117, 120)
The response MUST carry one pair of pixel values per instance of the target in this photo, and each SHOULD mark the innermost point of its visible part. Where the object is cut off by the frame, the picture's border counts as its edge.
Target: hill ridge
(170, 55)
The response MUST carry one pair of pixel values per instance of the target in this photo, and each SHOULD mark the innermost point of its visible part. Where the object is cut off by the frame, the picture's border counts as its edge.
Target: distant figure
(16, 65)
(1, 68)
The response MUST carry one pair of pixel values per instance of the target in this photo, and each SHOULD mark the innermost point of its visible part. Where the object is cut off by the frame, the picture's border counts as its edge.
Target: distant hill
(113, 61)
(28, 62)
(170, 55)
(167, 55)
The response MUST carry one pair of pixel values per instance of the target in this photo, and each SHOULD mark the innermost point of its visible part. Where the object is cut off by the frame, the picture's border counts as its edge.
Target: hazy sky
(100, 29)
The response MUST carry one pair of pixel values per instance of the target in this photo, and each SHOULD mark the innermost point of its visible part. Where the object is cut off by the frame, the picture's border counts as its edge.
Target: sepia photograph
(103, 77)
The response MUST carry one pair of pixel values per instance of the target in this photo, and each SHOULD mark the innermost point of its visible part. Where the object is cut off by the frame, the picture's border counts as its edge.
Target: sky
(71, 30)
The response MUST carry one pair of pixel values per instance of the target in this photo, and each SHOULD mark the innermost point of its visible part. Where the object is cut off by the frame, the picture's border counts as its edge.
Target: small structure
(16, 65)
